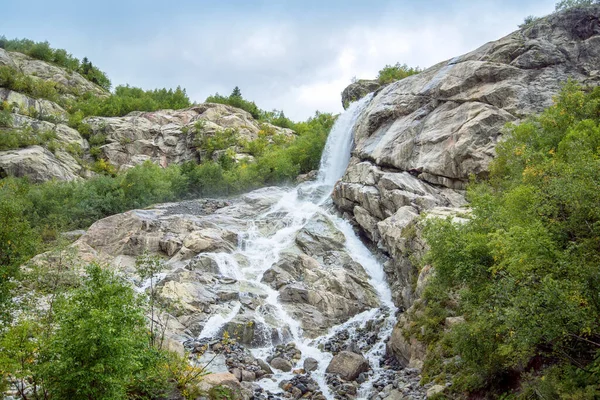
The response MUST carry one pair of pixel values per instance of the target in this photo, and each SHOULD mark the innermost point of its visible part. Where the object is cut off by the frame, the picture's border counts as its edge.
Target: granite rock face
(421, 138)
(171, 136)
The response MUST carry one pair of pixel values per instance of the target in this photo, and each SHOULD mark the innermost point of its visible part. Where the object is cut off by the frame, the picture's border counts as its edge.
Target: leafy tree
(99, 340)
(43, 51)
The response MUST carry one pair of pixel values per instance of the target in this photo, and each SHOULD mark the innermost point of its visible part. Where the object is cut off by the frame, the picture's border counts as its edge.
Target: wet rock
(310, 364)
(281, 364)
(264, 366)
(348, 365)
(358, 90)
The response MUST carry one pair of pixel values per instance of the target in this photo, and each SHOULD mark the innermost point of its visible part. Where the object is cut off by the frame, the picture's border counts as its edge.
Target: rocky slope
(317, 281)
(164, 137)
(421, 138)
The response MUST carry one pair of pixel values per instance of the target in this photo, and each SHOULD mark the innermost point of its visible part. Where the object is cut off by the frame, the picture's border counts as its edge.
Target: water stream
(262, 249)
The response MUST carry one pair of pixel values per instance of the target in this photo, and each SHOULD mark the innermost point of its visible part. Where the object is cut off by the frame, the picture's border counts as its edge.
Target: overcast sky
(292, 55)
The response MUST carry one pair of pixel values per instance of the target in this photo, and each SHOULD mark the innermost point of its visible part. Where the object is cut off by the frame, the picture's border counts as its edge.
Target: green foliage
(5, 115)
(236, 100)
(528, 21)
(126, 99)
(15, 80)
(525, 266)
(566, 4)
(392, 73)
(43, 51)
(18, 240)
(100, 334)
(222, 393)
(220, 140)
(18, 138)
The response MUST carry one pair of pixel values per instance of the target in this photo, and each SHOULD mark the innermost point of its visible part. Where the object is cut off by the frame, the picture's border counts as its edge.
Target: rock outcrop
(421, 138)
(163, 137)
(172, 136)
(357, 90)
(73, 82)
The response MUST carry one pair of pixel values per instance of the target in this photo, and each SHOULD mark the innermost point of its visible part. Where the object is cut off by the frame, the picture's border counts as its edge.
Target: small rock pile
(237, 359)
(302, 386)
(395, 385)
(284, 357)
(357, 339)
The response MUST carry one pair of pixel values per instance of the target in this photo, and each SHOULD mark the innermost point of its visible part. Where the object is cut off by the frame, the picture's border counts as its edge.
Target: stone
(358, 90)
(310, 364)
(248, 376)
(174, 346)
(224, 379)
(395, 395)
(264, 366)
(451, 321)
(348, 365)
(281, 364)
(36, 163)
(420, 138)
(435, 390)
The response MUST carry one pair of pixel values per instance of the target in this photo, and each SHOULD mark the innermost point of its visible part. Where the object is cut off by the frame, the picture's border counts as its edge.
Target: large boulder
(221, 380)
(38, 164)
(348, 365)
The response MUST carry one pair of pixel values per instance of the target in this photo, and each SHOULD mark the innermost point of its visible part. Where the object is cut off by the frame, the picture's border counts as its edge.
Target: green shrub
(5, 118)
(566, 4)
(19, 138)
(126, 99)
(525, 266)
(15, 80)
(43, 51)
(392, 73)
(235, 99)
(99, 340)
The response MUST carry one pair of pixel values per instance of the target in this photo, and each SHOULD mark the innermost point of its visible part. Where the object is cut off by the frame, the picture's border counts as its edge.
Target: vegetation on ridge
(392, 73)
(43, 51)
(523, 271)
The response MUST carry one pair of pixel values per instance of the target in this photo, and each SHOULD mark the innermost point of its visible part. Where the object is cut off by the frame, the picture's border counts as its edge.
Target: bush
(525, 266)
(235, 99)
(566, 4)
(126, 99)
(19, 138)
(100, 336)
(15, 80)
(43, 51)
(392, 73)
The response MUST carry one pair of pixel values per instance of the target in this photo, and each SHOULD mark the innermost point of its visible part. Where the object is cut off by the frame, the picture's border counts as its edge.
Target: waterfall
(336, 153)
(261, 249)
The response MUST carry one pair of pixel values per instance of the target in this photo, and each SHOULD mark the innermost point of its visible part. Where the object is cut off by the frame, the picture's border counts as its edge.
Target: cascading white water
(336, 153)
(261, 250)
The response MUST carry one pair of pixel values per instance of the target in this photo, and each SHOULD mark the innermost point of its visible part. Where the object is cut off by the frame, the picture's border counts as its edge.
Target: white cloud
(283, 63)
